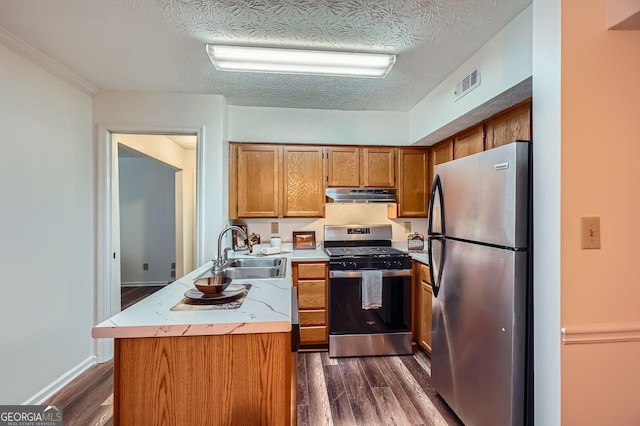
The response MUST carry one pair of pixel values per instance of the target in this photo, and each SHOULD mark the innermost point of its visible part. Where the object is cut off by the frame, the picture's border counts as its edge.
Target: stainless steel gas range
(369, 292)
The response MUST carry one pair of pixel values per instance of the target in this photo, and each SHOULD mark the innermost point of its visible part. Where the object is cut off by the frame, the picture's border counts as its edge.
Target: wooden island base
(203, 380)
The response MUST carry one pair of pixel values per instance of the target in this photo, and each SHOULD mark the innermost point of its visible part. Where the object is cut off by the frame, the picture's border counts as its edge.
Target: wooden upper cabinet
(513, 125)
(413, 185)
(303, 181)
(469, 142)
(379, 167)
(343, 166)
(442, 152)
(258, 180)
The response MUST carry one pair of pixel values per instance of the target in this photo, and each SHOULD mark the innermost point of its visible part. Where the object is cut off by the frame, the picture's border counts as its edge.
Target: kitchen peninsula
(205, 366)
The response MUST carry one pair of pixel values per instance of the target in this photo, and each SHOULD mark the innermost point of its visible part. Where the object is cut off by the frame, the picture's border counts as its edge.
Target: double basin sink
(256, 268)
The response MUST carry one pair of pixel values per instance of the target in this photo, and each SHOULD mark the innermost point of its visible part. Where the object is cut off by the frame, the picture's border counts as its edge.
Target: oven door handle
(358, 274)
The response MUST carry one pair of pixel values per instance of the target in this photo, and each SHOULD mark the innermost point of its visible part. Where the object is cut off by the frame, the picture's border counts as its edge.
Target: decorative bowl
(212, 285)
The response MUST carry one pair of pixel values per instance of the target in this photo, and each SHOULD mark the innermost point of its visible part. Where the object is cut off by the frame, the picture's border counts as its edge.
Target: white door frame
(107, 249)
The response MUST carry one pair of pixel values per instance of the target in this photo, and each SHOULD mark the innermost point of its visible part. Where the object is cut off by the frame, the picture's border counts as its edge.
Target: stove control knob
(344, 265)
(353, 265)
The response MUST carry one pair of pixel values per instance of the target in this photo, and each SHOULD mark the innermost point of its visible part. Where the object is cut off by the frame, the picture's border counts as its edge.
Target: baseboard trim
(144, 283)
(600, 333)
(61, 382)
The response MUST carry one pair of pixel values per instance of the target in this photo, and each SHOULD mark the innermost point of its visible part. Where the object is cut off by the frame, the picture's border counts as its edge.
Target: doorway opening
(154, 197)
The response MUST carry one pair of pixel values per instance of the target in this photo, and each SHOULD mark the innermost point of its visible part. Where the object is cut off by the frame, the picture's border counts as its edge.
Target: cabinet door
(311, 270)
(424, 302)
(343, 166)
(258, 170)
(469, 142)
(440, 153)
(379, 167)
(314, 335)
(413, 185)
(424, 339)
(510, 126)
(303, 192)
(311, 294)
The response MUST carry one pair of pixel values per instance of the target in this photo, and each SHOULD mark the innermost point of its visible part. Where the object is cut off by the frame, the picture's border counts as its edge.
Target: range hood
(361, 195)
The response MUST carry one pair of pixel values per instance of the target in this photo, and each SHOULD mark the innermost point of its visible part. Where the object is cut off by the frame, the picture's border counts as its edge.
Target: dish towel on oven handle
(371, 289)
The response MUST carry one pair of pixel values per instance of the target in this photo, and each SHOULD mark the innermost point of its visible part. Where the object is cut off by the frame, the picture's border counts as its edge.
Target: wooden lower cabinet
(423, 292)
(311, 280)
(313, 335)
(198, 380)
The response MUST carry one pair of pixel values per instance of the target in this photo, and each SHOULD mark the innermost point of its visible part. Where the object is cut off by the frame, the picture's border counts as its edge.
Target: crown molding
(39, 58)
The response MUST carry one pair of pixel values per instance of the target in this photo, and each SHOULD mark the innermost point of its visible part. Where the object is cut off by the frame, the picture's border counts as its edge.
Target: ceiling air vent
(468, 83)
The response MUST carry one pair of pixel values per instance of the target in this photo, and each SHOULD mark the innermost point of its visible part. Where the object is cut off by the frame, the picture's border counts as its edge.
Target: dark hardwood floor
(394, 390)
(131, 295)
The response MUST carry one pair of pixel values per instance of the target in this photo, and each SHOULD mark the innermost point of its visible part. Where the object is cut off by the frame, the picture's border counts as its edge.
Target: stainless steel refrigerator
(480, 261)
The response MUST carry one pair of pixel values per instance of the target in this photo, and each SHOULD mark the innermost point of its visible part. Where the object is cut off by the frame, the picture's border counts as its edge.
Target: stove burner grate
(363, 252)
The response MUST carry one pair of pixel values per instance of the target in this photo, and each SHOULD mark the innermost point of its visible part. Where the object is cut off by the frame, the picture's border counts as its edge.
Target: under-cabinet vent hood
(361, 195)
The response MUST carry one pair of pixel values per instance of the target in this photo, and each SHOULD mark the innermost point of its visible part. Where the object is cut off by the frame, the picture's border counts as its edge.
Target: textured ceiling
(158, 45)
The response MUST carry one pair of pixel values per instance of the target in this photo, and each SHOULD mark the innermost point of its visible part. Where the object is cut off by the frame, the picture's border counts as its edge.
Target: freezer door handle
(436, 191)
(435, 274)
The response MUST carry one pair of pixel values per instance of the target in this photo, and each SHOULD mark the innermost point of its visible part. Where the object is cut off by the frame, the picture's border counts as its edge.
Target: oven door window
(346, 315)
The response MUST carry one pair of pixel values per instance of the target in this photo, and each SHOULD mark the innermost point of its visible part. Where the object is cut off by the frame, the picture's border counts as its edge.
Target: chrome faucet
(219, 262)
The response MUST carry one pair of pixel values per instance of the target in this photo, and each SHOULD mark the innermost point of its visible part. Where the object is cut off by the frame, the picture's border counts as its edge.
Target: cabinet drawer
(313, 335)
(311, 295)
(312, 317)
(311, 270)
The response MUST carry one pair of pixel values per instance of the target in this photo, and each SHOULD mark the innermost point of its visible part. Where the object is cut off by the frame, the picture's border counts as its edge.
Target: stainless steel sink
(244, 262)
(255, 272)
(256, 268)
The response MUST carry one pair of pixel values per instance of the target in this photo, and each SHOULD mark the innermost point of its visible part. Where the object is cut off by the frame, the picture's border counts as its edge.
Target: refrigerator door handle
(435, 275)
(436, 190)
(434, 289)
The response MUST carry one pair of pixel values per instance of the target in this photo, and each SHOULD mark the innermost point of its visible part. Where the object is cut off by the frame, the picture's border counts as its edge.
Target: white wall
(546, 200)
(317, 126)
(162, 112)
(147, 221)
(504, 61)
(46, 231)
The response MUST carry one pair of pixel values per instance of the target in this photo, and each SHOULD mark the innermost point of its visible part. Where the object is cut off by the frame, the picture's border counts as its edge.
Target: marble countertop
(317, 254)
(265, 309)
(420, 256)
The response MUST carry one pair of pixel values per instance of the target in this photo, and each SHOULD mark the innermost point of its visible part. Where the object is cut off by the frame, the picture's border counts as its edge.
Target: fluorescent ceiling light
(292, 61)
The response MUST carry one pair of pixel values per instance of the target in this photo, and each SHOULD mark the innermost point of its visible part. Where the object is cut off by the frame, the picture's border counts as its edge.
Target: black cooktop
(339, 252)
(359, 258)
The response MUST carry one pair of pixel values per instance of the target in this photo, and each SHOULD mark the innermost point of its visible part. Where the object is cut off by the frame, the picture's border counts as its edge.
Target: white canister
(276, 242)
